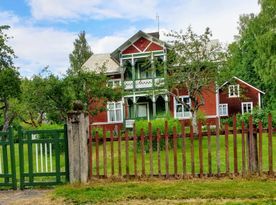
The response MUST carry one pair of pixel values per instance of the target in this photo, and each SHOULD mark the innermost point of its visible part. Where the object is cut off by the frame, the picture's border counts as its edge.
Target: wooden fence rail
(243, 151)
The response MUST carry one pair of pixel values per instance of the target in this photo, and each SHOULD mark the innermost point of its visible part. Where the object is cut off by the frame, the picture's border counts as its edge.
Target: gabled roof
(97, 61)
(139, 34)
(243, 83)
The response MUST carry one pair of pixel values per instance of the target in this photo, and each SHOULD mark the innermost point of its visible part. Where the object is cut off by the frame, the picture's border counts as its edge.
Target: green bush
(157, 123)
(257, 115)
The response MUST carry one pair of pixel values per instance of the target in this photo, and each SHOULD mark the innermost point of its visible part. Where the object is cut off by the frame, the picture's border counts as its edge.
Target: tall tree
(80, 54)
(253, 54)
(88, 87)
(6, 52)
(9, 78)
(193, 63)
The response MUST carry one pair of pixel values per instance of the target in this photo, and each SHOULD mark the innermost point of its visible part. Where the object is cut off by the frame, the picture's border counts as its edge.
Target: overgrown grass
(103, 192)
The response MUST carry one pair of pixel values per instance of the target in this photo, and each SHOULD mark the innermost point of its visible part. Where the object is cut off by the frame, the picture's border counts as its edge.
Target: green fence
(37, 158)
(7, 160)
(43, 157)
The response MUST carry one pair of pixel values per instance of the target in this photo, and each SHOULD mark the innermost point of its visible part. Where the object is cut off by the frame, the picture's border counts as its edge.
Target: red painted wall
(247, 94)
(210, 101)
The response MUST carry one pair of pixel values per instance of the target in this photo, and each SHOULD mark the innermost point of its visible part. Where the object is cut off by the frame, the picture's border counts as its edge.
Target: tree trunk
(194, 122)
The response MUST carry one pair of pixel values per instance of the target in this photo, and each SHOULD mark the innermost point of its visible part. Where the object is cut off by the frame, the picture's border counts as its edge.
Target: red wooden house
(238, 97)
(145, 96)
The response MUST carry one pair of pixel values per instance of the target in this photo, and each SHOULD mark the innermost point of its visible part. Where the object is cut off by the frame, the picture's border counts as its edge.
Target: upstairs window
(114, 83)
(143, 69)
(234, 91)
(115, 111)
(223, 109)
(247, 107)
(182, 111)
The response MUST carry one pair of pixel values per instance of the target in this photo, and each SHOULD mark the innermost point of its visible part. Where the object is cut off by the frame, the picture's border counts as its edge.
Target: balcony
(144, 84)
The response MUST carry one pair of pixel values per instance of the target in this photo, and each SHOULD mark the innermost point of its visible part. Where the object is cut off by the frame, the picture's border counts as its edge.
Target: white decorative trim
(244, 83)
(259, 100)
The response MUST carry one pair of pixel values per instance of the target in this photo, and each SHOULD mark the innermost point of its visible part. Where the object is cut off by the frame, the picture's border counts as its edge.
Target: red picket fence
(236, 151)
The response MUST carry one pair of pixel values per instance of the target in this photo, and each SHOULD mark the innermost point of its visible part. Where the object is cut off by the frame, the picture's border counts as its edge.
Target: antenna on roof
(157, 19)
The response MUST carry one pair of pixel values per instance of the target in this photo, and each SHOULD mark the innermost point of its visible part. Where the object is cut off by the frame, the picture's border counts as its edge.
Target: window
(247, 107)
(223, 109)
(143, 67)
(234, 91)
(114, 83)
(115, 111)
(182, 111)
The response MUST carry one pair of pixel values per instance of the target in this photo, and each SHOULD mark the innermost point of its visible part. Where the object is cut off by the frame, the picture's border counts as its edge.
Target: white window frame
(176, 103)
(246, 103)
(114, 110)
(113, 82)
(221, 109)
(234, 88)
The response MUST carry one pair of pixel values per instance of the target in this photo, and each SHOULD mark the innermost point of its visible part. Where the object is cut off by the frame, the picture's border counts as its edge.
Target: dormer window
(114, 83)
(233, 91)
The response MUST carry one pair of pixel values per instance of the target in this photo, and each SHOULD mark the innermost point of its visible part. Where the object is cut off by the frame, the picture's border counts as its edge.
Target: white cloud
(220, 16)
(37, 47)
(91, 9)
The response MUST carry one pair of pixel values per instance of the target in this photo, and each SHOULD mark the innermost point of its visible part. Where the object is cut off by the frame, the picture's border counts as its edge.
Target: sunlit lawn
(211, 191)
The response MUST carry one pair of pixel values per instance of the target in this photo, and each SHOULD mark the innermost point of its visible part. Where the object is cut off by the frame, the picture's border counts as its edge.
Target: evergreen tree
(80, 54)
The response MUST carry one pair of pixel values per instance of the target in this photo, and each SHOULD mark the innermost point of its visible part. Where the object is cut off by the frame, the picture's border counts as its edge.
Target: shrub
(257, 115)
(157, 123)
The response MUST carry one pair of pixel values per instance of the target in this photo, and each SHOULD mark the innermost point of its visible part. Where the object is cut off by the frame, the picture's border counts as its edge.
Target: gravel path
(27, 197)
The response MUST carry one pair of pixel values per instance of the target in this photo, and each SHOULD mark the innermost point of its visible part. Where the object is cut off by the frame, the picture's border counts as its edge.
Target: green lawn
(179, 156)
(211, 191)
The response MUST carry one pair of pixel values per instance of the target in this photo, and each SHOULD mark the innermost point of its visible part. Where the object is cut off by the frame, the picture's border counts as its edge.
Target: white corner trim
(249, 85)
(259, 100)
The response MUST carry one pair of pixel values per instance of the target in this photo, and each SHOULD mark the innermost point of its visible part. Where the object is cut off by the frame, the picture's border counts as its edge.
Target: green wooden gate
(43, 157)
(7, 160)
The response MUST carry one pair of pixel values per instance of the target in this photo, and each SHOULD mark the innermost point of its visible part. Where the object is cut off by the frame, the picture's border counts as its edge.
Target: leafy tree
(85, 86)
(91, 89)
(10, 88)
(44, 97)
(6, 52)
(9, 79)
(193, 63)
(253, 54)
(80, 54)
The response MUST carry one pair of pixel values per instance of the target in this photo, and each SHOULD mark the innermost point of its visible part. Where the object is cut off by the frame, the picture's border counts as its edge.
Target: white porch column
(154, 106)
(167, 104)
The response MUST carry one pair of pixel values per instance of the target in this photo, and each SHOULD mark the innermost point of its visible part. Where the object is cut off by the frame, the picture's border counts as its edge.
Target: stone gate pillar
(78, 131)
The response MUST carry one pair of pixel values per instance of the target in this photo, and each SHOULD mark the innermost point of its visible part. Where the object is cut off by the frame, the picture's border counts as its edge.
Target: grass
(26, 163)
(179, 156)
(211, 191)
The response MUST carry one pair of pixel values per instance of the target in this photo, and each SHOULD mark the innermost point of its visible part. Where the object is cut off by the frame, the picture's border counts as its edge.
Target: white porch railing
(146, 83)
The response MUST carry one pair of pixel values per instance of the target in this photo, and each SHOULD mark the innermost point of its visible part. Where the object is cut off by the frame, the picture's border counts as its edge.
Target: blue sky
(44, 30)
